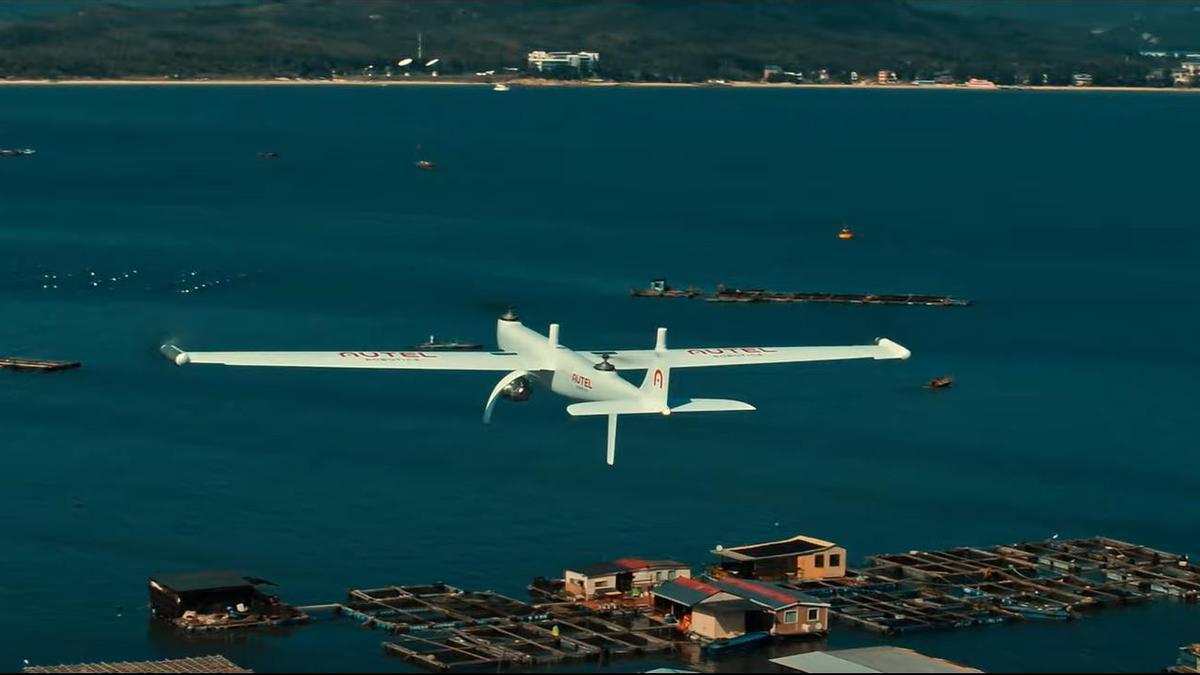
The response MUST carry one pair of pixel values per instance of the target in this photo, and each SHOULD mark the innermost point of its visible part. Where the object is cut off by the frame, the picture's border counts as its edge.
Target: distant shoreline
(530, 82)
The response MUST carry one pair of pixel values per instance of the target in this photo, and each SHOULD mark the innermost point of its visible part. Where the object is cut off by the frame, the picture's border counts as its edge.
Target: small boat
(659, 289)
(268, 155)
(17, 152)
(453, 345)
(941, 383)
(845, 233)
(719, 647)
(425, 164)
(500, 86)
(1031, 610)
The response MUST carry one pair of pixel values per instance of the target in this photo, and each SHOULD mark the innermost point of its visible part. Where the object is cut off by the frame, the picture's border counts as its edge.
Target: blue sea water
(1068, 218)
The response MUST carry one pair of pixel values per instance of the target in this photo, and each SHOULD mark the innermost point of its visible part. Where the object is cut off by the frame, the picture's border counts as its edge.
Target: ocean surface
(1070, 219)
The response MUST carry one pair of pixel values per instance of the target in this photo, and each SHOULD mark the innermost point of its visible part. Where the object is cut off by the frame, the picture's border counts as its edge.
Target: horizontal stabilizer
(639, 408)
(711, 405)
(611, 408)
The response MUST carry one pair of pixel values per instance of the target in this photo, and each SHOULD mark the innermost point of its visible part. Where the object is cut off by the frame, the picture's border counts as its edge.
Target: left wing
(639, 359)
(412, 360)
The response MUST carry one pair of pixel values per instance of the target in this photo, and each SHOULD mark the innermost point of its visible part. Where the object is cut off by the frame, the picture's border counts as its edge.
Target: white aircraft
(529, 357)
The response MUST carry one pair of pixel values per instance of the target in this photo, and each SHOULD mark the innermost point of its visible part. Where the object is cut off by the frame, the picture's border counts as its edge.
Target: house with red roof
(715, 609)
(621, 578)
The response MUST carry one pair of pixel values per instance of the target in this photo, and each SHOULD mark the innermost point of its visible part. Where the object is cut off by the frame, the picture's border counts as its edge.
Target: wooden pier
(659, 289)
(15, 363)
(1046, 580)
(443, 627)
(765, 296)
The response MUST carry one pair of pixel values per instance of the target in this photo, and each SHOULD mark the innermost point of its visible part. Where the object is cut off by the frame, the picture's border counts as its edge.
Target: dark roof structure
(797, 545)
(686, 591)
(201, 581)
(771, 596)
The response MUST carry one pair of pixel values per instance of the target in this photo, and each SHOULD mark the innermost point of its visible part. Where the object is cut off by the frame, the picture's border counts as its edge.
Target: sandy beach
(537, 82)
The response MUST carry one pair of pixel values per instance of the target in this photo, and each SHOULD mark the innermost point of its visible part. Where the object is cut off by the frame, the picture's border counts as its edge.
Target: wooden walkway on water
(443, 627)
(16, 363)
(966, 586)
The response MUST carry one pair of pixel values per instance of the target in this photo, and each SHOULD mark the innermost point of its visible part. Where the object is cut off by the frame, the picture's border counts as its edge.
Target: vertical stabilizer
(658, 376)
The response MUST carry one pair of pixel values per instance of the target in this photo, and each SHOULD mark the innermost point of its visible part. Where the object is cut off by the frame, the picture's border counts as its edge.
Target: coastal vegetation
(639, 40)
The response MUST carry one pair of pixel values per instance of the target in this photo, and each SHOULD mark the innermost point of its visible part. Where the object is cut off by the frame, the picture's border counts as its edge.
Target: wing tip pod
(175, 354)
(892, 350)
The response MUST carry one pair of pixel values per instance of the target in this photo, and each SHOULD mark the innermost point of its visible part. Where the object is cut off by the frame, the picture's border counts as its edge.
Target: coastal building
(716, 609)
(217, 600)
(1081, 80)
(625, 576)
(886, 77)
(800, 558)
(772, 73)
(1187, 74)
(870, 660)
(544, 61)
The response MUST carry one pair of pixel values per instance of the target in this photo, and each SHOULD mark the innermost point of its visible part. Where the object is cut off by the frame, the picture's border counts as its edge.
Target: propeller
(604, 364)
(504, 382)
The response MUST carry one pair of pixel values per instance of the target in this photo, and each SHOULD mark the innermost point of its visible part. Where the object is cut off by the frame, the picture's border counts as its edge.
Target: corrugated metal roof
(626, 565)
(768, 595)
(686, 591)
(884, 659)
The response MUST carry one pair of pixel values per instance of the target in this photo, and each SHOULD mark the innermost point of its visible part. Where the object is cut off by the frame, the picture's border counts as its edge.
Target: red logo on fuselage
(387, 355)
(658, 378)
(581, 381)
(730, 351)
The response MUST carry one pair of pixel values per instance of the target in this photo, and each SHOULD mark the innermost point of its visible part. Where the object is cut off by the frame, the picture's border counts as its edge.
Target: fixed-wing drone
(591, 377)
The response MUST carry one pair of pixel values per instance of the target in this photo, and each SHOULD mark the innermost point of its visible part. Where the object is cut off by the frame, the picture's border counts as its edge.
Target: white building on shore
(543, 61)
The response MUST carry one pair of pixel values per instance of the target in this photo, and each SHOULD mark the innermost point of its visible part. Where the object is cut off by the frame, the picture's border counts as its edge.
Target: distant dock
(14, 363)
(659, 289)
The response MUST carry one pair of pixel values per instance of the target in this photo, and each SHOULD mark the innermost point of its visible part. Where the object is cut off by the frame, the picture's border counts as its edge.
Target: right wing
(639, 359)
(413, 360)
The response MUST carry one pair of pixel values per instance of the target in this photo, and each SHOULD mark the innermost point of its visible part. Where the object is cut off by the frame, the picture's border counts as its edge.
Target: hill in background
(656, 40)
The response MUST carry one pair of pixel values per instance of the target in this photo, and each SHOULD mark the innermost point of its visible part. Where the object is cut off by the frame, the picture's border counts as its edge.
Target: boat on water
(425, 164)
(659, 289)
(1037, 610)
(453, 345)
(977, 83)
(941, 383)
(17, 152)
(268, 155)
(500, 86)
(845, 233)
(734, 644)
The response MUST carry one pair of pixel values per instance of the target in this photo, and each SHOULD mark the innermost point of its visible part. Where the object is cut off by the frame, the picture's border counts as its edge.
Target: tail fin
(658, 376)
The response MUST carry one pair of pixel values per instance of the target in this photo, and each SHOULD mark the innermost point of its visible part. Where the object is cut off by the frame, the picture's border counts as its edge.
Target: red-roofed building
(714, 609)
(621, 577)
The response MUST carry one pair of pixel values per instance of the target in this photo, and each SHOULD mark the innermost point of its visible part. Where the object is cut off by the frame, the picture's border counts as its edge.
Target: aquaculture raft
(36, 364)
(443, 627)
(966, 586)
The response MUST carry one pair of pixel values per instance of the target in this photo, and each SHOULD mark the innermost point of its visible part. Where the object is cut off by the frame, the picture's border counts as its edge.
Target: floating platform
(765, 296)
(15, 363)
(195, 664)
(1043, 580)
(659, 289)
(443, 627)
